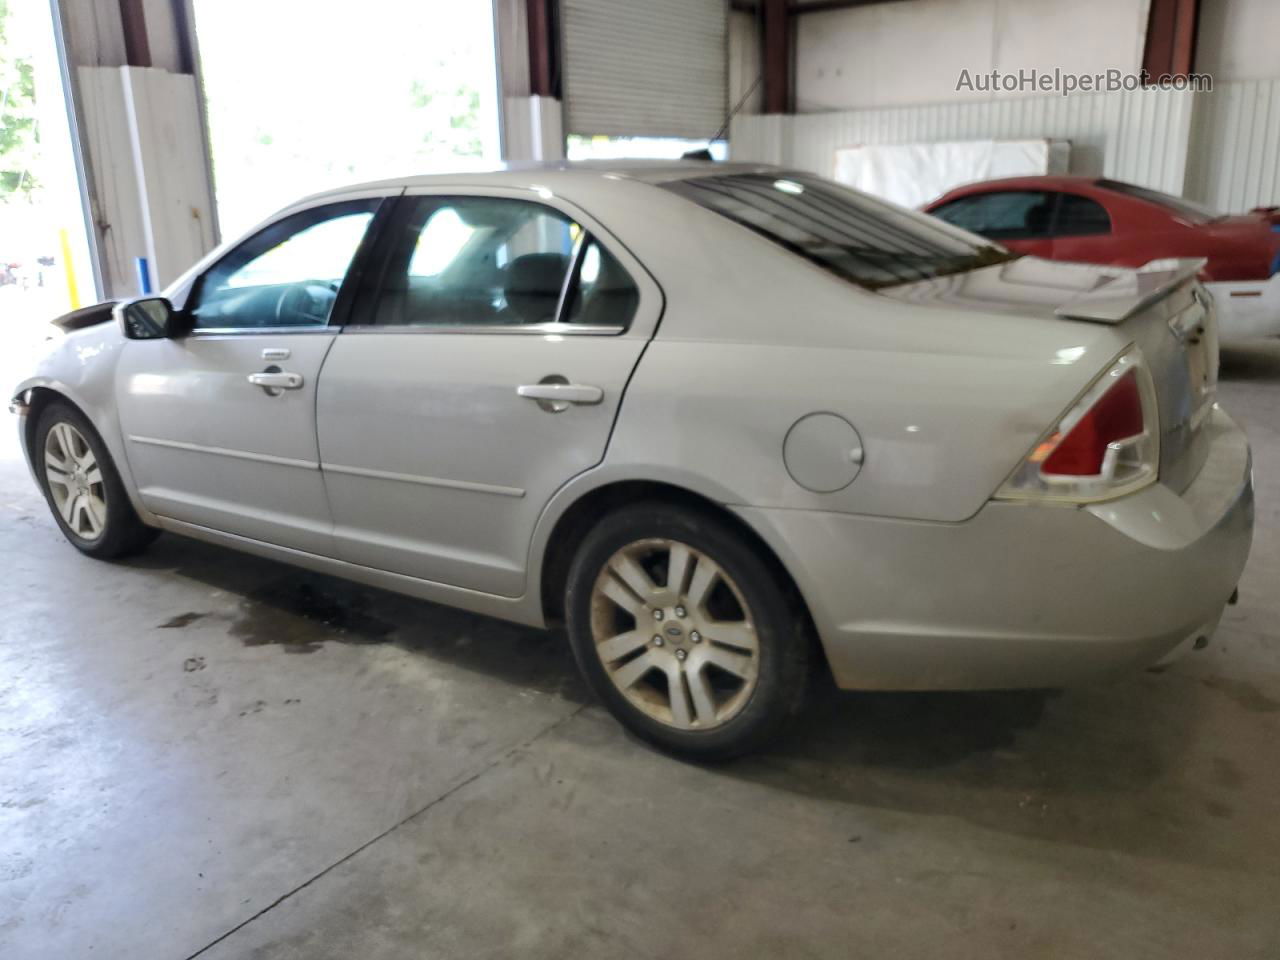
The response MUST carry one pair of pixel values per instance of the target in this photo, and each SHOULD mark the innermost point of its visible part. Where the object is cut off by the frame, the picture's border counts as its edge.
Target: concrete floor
(204, 754)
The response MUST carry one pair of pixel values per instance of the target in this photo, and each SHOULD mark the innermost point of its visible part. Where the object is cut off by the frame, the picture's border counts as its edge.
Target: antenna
(738, 106)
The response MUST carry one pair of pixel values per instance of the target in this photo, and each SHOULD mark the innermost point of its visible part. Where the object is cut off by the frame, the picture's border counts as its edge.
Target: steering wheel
(307, 302)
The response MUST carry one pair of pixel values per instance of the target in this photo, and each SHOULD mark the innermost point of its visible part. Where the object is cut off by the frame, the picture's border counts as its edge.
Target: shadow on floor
(300, 612)
(1102, 766)
(1258, 361)
(1096, 767)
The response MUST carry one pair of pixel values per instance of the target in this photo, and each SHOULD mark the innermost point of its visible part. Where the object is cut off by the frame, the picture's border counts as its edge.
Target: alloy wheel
(75, 481)
(675, 634)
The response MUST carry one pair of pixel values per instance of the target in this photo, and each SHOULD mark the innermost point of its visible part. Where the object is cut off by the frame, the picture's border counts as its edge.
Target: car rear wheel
(683, 631)
(82, 486)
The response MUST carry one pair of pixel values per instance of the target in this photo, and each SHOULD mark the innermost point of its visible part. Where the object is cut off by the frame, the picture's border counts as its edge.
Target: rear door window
(497, 262)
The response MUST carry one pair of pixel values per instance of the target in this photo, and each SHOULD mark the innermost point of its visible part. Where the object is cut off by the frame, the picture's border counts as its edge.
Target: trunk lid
(1162, 309)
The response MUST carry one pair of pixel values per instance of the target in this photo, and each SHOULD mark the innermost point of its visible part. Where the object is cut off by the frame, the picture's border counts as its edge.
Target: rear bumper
(1023, 595)
(1247, 309)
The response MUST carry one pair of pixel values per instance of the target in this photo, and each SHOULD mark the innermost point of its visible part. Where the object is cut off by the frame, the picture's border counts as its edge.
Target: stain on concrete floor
(182, 620)
(287, 611)
(431, 786)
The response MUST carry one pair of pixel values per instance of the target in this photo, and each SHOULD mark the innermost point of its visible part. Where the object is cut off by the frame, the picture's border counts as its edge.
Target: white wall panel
(142, 129)
(656, 68)
(177, 208)
(899, 54)
(1235, 156)
(763, 138)
(1140, 136)
(532, 128)
(511, 32)
(116, 207)
(1237, 40)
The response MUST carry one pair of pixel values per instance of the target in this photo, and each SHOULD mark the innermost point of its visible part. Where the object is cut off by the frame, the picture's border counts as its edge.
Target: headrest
(533, 284)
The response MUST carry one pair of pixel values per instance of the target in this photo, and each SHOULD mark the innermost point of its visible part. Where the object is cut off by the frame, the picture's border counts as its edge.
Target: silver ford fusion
(723, 422)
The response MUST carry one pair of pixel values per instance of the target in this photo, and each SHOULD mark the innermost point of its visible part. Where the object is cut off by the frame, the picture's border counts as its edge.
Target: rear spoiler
(85, 317)
(1119, 296)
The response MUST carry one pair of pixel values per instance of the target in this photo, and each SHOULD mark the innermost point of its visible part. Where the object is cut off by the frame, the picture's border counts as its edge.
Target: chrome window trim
(468, 485)
(570, 279)
(226, 452)
(519, 329)
(265, 331)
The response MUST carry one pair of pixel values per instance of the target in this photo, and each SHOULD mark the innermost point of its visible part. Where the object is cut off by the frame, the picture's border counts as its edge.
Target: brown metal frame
(137, 49)
(776, 59)
(543, 48)
(1170, 47)
(777, 42)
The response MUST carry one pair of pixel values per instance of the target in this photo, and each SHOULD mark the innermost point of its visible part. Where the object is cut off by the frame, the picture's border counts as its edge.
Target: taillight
(1106, 445)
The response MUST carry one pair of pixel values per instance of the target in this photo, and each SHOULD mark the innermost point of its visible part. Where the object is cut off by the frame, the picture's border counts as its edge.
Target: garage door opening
(306, 97)
(641, 148)
(45, 268)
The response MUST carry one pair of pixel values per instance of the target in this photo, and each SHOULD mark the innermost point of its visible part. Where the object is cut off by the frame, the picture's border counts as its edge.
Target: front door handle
(273, 381)
(555, 397)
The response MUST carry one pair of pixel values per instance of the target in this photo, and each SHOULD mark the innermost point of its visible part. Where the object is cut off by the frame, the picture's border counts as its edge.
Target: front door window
(287, 275)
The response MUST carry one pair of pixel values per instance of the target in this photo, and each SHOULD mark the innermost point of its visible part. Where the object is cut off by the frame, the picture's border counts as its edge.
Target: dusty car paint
(914, 576)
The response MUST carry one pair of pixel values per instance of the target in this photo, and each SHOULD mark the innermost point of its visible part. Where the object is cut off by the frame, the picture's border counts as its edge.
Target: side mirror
(147, 318)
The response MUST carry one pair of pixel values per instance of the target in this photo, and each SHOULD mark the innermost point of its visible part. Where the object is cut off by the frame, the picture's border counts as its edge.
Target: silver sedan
(725, 423)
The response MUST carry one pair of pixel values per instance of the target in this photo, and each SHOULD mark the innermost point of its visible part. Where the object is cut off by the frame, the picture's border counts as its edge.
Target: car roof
(558, 174)
(1042, 182)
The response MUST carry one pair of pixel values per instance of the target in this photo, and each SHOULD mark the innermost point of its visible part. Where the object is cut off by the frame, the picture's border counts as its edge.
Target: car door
(483, 370)
(1082, 230)
(1017, 219)
(219, 424)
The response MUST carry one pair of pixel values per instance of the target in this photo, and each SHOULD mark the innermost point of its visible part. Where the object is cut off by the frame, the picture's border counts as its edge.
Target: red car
(1105, 221)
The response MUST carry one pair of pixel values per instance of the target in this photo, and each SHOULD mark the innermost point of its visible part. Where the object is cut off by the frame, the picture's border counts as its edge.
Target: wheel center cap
(674, 631)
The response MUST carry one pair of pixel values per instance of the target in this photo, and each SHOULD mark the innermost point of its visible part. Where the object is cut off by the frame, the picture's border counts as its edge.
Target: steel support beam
(1170, 48)
(543, 48)
(133, 20)
(776, 46)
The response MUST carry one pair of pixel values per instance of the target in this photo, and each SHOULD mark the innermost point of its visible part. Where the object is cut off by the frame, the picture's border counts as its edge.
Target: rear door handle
(561, 393)
(276, 380)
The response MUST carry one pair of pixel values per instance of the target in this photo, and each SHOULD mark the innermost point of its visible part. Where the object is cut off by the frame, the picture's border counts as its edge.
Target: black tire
(782, 642)
(123, 533)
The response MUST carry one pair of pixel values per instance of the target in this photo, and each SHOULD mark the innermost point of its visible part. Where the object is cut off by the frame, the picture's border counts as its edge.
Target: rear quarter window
(857, 237)
(1080, 216)
(1006, 215)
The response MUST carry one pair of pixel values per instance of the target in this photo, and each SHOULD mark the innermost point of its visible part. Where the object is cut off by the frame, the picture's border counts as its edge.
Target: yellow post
(72, 294)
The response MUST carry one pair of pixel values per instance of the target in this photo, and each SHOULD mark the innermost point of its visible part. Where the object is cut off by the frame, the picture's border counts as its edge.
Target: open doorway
(304, 97)
(45, 268)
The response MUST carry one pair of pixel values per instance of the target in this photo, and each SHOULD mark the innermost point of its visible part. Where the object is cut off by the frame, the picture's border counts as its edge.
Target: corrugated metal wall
(1234, 162)
(1139, 136)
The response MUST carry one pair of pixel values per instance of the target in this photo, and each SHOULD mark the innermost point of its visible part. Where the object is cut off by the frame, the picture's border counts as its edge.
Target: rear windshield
(857, 237)
(1191, 212)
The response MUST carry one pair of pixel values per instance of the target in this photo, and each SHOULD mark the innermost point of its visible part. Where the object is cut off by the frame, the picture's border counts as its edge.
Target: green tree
(451, 117)
(19, 138)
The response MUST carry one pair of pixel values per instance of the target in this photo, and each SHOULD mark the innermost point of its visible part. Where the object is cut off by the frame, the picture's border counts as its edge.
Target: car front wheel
(82, 486)
(682, 628)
